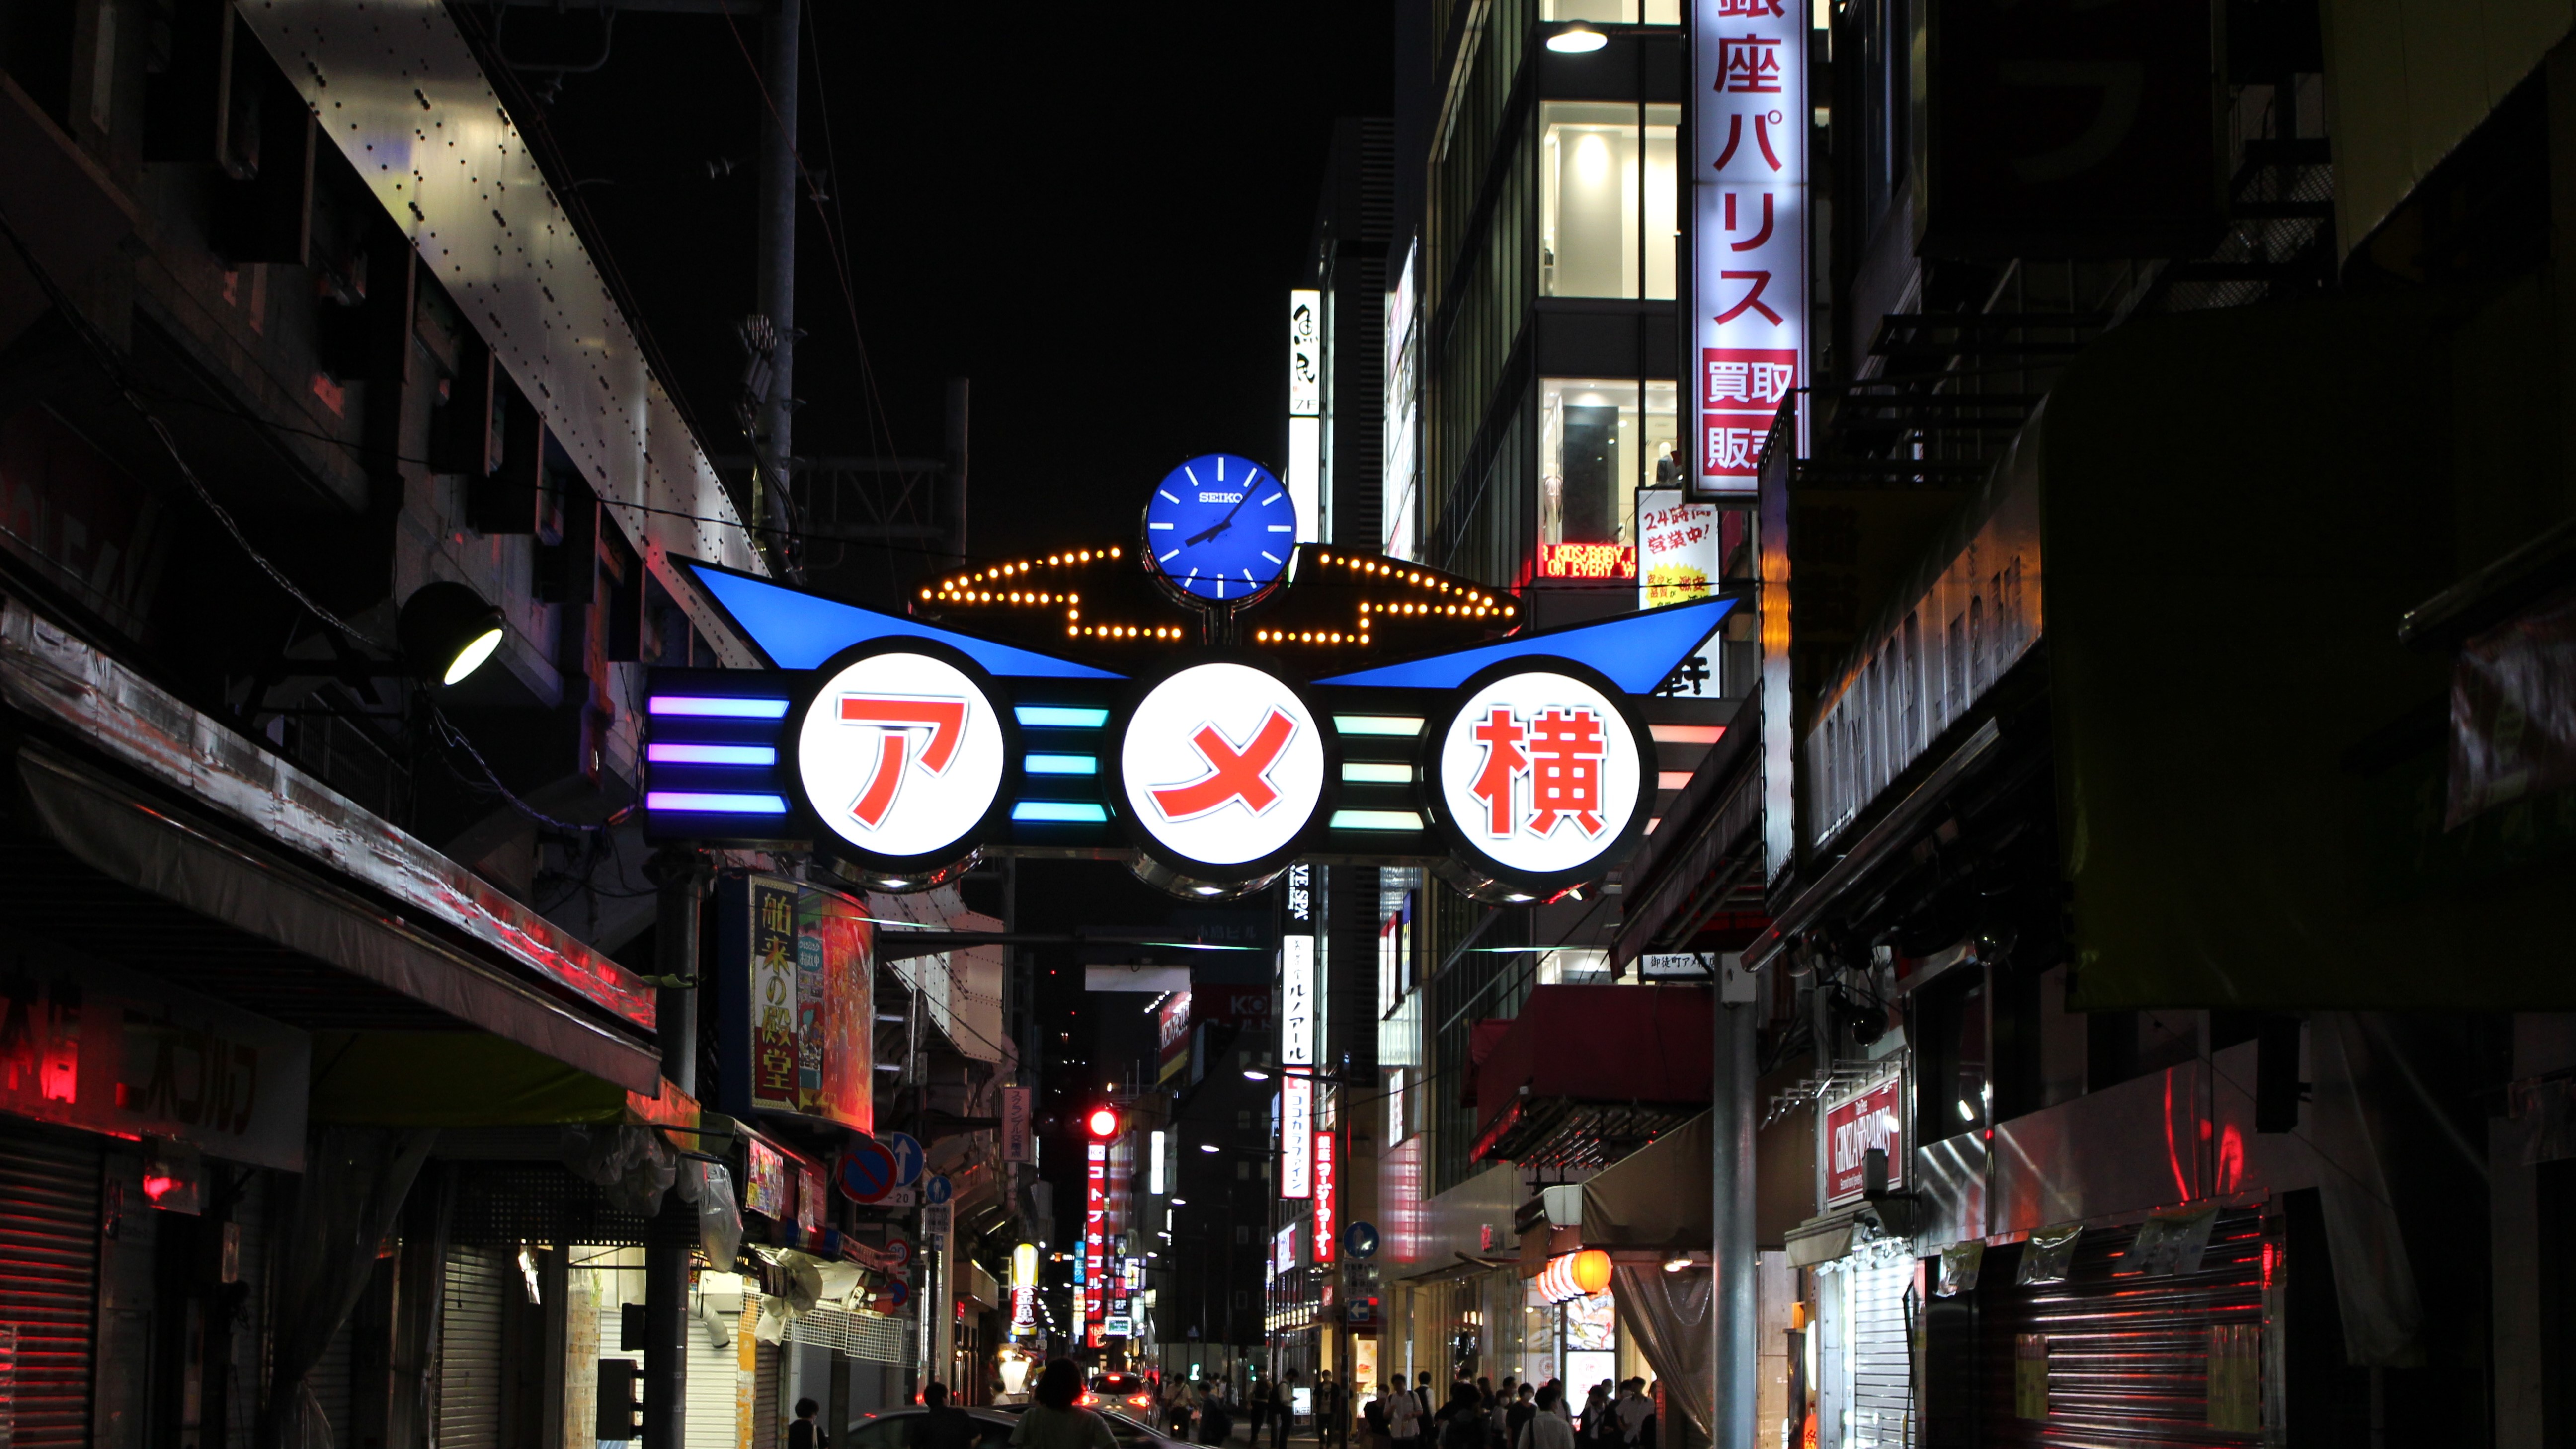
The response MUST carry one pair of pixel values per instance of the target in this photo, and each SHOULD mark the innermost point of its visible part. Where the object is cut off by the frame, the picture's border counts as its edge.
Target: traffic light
(1102, 1122)
(621, 1408)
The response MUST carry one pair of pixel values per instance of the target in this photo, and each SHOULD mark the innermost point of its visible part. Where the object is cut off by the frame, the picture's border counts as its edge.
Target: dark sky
(1091, 211)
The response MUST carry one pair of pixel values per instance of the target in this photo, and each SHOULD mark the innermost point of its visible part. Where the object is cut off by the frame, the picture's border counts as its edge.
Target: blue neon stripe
(674, 752)
(1061, 812)
(1638, 651)
(1061, 765)
(710, 802)
(798, 630)
(1059, 717)
(718, 706)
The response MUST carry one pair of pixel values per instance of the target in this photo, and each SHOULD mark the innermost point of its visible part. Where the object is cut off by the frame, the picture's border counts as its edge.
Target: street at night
(1377, 724)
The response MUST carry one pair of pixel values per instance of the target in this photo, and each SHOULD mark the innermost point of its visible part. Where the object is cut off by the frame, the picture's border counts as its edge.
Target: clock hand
(1222, 524)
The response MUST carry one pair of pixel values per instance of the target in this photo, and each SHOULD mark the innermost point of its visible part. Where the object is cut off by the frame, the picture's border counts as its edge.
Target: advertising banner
(1853, 1126)
(794, 969)
(1296, 1136)
(1327, 1200)
(1749, 228)
(764, 1180)
(1015, 1124)
(773, 995)
(92, 1046)
(1297, 1001)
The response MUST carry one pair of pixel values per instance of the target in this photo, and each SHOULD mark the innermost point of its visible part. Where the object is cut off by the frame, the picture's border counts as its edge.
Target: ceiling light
(1207, 1147)
(1577, 40)
(446, 631)
(1255, 1074)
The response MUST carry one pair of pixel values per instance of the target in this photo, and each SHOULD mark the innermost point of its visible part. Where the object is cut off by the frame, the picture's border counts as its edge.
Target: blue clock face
(1221, 528)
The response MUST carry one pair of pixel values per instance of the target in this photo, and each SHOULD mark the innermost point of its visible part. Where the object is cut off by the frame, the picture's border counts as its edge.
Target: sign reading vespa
(1542, 767)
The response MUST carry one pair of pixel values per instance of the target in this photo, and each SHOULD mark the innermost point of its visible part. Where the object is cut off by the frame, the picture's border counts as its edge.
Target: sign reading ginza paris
(1297, 1001)
(1749, 227)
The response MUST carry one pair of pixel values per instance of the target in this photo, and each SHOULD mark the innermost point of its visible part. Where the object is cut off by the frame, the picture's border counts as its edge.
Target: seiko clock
(1220, 529)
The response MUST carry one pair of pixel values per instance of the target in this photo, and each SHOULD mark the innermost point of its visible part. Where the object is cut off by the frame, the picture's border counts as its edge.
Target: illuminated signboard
(1587, 560)
(1296, 1136)
(1853, 1126)
(1327, 1199)
(1223, 766)
(1297, 1001)
(1749, 228)
(902, 753)
(1306, 408)
(1095, 1233)
(1545, 771)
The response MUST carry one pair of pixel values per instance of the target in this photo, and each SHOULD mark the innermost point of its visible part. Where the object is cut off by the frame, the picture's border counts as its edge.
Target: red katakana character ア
(1565, 780)
(1501, 735)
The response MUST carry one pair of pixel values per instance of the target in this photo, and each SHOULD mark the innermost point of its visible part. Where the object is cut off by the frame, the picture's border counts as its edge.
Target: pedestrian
(1402, 1412)
(1560, 1411)
(1216, 1415)
(940, 1425)
(1283, 1412)
(1462, 1420)
(1631, 1411)
(1596, 1411)
(1256, 1409)
(807, 1432)
(1498, 1408)
(1332, 1412)
(1421, 1394)
(1547, 1427)
(1516, 1416)
(1053, 1421)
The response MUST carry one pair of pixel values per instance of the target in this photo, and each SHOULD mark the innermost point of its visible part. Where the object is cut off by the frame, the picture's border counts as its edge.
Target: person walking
(808, 1431)
(1462, 1420)
(1332, 1412)
(1421, 1395)
(1283, 1412)
(1631, 1410)
(1403, 1414)
(1546, 1427)
(1498, 1408)
(941, 1425)
(1516, 1415)
(1256, 1410)
(1053, 1421)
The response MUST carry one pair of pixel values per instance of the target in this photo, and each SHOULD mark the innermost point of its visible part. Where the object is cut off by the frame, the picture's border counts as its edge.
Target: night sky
(1093, 212)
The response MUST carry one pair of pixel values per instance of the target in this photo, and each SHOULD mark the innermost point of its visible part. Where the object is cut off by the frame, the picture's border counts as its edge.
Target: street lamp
(1577, 39)
(446, 631)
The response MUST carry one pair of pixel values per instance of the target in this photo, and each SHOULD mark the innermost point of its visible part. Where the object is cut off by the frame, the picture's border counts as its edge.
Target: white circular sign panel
(901, 754)
(1539, 771)
(1223, 764)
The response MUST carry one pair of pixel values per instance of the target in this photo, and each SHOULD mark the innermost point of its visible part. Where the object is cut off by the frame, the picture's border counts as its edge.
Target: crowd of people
(1476, 1415)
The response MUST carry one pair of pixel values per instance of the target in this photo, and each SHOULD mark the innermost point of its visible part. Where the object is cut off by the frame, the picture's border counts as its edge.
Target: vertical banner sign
(1749, 227)
(1095, 1234)
(1297, 1001)
(809, 1199)
(1306, 410)
(774, 953)
(1015, 1124)
(1328, 1228)
(1296, 1136)
(835, 1011)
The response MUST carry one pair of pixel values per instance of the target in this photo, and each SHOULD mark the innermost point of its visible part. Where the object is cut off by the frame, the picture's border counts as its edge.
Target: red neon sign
(1587, 560)
(1325, 1227)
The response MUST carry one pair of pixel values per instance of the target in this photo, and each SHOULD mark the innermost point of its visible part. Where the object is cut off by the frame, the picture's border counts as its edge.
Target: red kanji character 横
(1501, 735)
(1565, 781)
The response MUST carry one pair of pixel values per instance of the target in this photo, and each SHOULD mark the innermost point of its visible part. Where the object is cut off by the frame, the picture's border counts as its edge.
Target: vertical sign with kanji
(773, 995)
(1749, 220)
(1095, 1234)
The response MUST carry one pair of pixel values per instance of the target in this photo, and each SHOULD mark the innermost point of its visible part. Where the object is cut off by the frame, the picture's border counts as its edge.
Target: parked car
(892, 1428)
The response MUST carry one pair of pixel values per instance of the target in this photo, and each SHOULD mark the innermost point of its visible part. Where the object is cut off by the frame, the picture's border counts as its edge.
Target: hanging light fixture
(446, 631)
(1577, 39)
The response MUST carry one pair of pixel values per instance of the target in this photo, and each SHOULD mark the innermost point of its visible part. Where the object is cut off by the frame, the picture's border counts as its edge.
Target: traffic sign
(907, 1157)
(867, 1172)
(1360, 1240)
(893, 1294)
(936, 1190)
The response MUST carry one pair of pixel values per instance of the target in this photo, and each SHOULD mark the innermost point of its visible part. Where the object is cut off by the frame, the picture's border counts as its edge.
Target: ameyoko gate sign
(1516, 769)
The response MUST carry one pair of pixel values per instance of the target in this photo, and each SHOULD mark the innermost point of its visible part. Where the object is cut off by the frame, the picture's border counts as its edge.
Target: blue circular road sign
(937, 1189)
(907, 1157)
(1360, 1240)
(867, 1172)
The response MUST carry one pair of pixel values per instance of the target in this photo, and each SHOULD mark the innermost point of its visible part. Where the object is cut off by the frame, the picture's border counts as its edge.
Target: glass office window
(1608, 199)
(1600, 440)
(1614, 12)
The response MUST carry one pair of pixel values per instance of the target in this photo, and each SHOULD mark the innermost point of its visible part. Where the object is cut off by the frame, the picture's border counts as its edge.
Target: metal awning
(255, 928)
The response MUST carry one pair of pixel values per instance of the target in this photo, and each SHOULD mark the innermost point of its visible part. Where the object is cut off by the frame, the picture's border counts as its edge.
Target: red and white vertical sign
(1749, 220)
(1296, 1135)
(1095, 1234)
(1328, 1225)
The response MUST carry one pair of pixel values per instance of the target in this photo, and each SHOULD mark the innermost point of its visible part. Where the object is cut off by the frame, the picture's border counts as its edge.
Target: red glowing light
(157, 1186)
(1103, 1122)
(1588, 560)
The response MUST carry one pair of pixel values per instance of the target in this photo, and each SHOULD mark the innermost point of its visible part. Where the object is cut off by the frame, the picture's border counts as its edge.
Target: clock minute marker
(1168, 557)
(1168, 498)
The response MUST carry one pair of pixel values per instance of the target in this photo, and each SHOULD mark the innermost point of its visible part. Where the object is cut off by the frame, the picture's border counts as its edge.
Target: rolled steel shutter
(49, 1215)
(469, 1347)
(330, 1380)
(1882, 1387)
(2126, 1355)
(764, 1397)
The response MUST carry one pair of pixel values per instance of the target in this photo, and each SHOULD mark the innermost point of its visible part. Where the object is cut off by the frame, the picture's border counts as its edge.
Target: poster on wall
(793, 970)
(835, 1042)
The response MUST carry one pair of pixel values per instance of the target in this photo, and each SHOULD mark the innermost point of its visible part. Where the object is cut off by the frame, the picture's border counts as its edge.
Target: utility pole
(681, 878)
(957, 468)
(1734, 1349)
(776, 435)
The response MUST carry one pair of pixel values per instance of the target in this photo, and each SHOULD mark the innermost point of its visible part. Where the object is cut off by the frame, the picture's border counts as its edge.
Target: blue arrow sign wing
(1638, 651)
(798, 630)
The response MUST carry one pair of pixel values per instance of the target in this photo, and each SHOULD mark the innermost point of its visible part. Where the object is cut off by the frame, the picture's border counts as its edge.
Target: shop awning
(253, 925)
(1585, 1073)
(1657, 1198)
